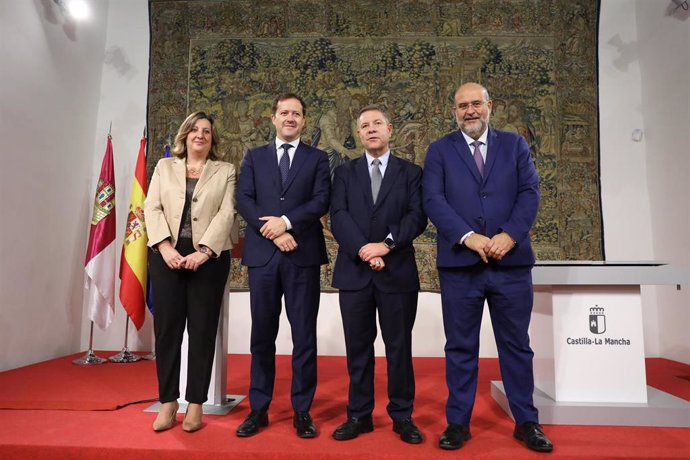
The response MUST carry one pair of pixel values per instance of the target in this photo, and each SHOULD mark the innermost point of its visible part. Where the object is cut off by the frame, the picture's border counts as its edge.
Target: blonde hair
(180, 145)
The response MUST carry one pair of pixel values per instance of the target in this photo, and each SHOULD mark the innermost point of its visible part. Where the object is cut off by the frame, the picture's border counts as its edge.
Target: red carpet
(126, 433)
(60, 385)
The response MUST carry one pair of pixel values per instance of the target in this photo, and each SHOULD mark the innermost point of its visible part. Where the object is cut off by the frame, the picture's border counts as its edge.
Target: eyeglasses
(463, 106)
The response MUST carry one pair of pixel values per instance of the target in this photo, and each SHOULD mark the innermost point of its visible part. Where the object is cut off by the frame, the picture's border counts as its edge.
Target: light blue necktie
(376, 179)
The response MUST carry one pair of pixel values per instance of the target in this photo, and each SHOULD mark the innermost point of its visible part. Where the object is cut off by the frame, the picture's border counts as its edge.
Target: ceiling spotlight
(75, 9)
(78, 9)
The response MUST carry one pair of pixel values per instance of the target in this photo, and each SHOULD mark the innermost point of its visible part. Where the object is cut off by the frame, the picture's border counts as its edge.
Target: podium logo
(597, 320)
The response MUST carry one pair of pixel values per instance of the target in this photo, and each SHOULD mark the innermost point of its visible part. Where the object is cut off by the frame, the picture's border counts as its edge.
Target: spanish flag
(134, 255)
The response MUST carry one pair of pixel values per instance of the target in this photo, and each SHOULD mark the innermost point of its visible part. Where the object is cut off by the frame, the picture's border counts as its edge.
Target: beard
(474, 131)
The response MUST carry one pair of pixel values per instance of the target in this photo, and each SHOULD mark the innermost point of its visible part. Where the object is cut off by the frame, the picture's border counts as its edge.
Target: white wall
(123, 98)
(62, 87)
(663, 44)
(51, 78)
(644, 68)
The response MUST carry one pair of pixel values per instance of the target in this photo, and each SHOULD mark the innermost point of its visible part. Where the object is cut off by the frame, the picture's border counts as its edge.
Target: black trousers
(183, 297)
(397, 312)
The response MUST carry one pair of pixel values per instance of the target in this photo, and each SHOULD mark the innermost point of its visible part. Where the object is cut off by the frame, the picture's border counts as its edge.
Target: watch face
(389, 243)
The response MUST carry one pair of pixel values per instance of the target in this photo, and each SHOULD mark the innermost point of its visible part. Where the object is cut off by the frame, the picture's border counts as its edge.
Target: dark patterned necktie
(284, 164)
(376, 179)
(478, 159)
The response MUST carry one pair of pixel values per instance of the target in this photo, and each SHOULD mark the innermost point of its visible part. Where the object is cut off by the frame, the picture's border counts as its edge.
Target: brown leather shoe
(166, 416)
(192, 419)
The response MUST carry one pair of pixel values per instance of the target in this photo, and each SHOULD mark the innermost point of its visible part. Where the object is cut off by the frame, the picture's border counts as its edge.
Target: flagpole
(151, 356)
(133, 257)
(90, 357)
(125, 356)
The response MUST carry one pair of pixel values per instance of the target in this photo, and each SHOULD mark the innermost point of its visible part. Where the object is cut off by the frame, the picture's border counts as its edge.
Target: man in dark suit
(283, 190)
(376, 213)
(481, 191)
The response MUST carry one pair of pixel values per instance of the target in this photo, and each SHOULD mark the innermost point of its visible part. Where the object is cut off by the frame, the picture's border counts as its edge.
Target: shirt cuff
(464, 237)
(287, 222)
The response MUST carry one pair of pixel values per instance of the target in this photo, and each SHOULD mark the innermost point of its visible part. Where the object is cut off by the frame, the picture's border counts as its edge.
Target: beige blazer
(212, 210)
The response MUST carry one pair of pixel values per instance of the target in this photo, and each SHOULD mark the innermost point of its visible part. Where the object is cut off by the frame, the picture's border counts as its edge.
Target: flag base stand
(124, 357)
(89, 358)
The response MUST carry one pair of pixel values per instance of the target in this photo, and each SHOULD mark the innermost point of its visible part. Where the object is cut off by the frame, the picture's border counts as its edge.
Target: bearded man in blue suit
(481, 191)
(282, 192)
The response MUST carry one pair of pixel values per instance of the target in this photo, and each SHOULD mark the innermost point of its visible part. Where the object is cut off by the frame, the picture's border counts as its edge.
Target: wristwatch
(206, 250)
(389, 243)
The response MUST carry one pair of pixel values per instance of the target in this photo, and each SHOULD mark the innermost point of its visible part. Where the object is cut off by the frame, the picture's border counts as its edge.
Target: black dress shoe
(534, 438)
(408, 431)
(251, 424)
(352, 428)
(304, 424)
(454, 436)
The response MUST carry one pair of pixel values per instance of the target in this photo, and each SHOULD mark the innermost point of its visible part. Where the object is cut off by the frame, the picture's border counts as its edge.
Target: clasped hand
(495, 248)
(373, 254)
(285, 242)
(273, 227)
(176, 261)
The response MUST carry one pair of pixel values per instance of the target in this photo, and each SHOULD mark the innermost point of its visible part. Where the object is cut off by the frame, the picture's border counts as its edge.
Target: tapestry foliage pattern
(536, 57)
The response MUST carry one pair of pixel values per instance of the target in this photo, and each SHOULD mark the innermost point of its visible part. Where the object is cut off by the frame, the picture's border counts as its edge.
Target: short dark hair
(372, 107)
(286, 96)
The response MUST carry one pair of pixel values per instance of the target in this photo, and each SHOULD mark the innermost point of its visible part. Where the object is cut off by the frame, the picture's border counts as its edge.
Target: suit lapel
(209, 171)
(492, 150)
(364, 179)
(268, 165)
(180, 172)
(463, 150)
(298, 161)
(392, 171)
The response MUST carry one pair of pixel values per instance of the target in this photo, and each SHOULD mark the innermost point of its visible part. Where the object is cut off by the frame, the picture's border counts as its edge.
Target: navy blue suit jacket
(304, 200)
(457, 199)
(356, 221)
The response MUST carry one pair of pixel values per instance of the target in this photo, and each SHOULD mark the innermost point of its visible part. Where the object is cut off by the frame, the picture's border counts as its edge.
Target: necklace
(195, 170)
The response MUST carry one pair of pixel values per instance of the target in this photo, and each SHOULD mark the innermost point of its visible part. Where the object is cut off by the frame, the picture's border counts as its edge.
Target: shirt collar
(481, 139)
(280, 142)
(383, 158)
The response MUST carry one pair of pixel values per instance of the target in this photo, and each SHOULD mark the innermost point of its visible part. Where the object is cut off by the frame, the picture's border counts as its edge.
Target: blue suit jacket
(304, 200)
(457, 200)
(356, 221)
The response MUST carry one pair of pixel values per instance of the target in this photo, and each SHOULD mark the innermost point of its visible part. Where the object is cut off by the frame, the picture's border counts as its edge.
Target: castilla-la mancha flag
(133, 261)
(100, 253)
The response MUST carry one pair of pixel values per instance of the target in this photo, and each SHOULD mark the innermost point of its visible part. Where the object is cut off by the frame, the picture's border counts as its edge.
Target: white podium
(587, 337)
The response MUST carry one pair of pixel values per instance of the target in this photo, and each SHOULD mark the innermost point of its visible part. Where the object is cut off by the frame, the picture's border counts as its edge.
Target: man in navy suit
(282, 191)
(481, 191)
(376, 213)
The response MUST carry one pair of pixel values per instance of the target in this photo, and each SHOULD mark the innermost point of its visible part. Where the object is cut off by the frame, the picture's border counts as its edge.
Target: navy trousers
(301, 288)
(509, 295)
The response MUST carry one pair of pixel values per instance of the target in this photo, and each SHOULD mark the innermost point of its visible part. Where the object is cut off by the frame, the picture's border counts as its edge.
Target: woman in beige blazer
(189, 211)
